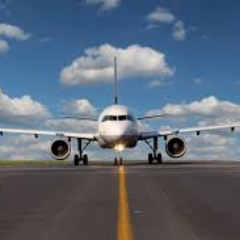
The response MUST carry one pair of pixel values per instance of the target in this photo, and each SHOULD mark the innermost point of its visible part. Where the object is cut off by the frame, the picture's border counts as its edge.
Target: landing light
(119, 147)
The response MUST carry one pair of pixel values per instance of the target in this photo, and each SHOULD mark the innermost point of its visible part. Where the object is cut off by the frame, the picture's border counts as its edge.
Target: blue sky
(199, 41)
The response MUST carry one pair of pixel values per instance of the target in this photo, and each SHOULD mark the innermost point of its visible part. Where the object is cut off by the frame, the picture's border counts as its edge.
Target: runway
(182, 201)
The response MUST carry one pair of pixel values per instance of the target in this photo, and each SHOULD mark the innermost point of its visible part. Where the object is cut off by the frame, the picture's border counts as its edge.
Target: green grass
(31, 162)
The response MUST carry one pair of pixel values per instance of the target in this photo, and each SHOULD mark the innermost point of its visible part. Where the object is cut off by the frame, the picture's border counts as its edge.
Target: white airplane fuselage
(117, 127)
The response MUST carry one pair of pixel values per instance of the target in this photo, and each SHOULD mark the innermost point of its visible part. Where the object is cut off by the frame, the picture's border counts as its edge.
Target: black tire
(150, 158)
(115, 161)
(76, 160)
(159, 158)
(121, 162)
(85, 159)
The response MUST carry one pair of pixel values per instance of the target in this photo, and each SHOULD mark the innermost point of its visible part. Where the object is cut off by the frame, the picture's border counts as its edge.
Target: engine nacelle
(60, 149)
(175, 147)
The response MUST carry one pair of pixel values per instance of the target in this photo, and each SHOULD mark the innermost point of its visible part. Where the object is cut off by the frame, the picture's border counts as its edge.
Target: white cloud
(161, 15)
(159, 83)
(4, 46)
(152, 26)
(22, 147)
(46, 40)
(144, 126)
(25, 111)
(71, 125)
(105, 4)
(210, 109)
(179, 31)
(210, 146)
(22, 110)
(96, 66)
(11, 31)
(219, 145)
(156, 83)
(198, 81)
(80, 107)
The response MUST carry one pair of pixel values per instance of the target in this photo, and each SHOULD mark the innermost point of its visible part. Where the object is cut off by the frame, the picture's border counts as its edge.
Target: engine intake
(175, 147)
(60, 149)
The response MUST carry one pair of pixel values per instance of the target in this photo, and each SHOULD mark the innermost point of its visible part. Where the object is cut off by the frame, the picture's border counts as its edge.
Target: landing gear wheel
(150, 158)
(76, 160)
(121, 162)
(115, 161)
(85, 159)
(159, 158)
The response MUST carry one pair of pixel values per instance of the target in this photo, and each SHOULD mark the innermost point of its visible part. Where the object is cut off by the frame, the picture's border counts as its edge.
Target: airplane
(118, 129)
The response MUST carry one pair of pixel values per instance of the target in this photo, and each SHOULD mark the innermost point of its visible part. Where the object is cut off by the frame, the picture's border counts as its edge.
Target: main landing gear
(81, 157)
(154, 156)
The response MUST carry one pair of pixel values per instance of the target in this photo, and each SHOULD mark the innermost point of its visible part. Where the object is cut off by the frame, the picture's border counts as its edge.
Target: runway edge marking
(125, 231)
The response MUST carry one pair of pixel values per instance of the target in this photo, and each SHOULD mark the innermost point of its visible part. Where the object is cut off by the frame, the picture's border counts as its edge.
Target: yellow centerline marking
(124, 220)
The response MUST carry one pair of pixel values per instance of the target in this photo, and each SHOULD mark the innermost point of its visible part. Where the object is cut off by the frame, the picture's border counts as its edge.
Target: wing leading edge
(197, 130)
(36, 133)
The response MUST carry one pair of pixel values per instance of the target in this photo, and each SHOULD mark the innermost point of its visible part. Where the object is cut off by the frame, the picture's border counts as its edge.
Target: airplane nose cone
(116, 134)
(120, 131)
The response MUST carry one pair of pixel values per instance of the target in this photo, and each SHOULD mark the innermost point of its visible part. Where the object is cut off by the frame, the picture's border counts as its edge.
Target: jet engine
(60, 149)
(175, 147)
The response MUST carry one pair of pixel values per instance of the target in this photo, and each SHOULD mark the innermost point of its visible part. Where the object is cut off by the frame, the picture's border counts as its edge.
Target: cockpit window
(105, 119)
(118, 118)
(130, 118)
(112, 118)
(122, 118)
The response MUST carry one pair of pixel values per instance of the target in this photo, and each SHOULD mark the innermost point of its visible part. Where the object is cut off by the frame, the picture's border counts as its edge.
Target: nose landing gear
(118, 162)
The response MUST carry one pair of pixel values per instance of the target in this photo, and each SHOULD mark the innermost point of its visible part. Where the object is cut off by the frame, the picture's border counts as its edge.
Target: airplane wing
(197, 130)
(153, 116)
(36, 133)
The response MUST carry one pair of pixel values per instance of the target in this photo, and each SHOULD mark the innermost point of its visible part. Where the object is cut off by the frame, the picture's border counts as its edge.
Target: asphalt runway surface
(182, 201)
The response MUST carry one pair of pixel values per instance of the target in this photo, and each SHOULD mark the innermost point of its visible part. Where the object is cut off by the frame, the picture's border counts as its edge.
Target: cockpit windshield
(121, 118)
(112, 118)
(130, 118)
(105, 119)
